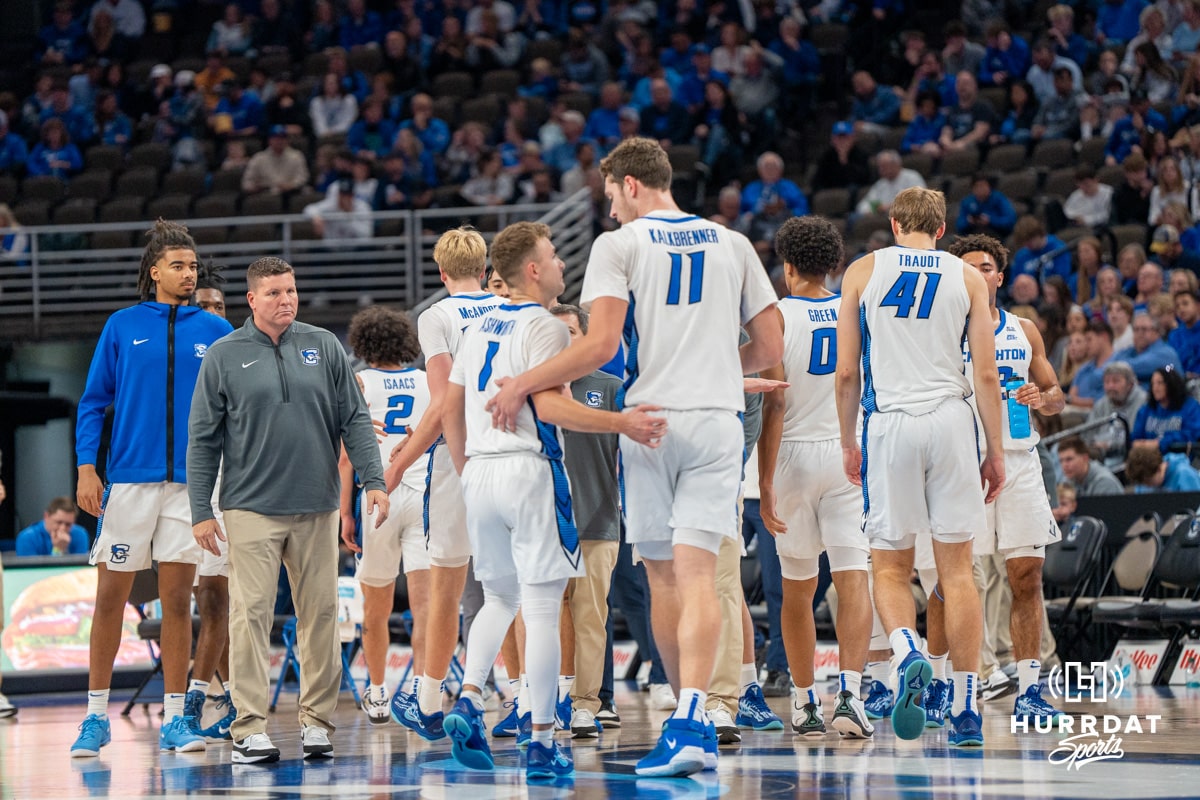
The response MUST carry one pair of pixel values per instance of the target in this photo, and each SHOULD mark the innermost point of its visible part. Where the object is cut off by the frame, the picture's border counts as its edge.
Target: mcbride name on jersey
(442, 325)
(398, 398)
(1013, 356)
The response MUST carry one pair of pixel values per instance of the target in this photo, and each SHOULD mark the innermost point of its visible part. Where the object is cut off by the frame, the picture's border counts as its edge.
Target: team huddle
(883, 445)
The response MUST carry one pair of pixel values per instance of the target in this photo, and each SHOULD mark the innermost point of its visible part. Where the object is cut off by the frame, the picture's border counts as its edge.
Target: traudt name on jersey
(919, 260)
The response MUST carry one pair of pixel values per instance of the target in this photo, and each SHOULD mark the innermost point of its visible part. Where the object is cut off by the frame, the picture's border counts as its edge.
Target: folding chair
(1068, 567)
(144, 592)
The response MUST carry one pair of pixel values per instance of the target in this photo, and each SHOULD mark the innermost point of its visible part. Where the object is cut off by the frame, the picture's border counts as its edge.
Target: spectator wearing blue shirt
(1151, 471)
(926, 127)
(64, 40)
(665, 120)
(875, 107)
(1006, 57)
(1171, 417)
(54, 154)
(677, 55)
(112, 127)
(603, 124)
(372, 133)
(986, 210)
(238, 113)
(1149, 352)
(562, 157)
(433, 132)
(1186, 336)
(1062, 33)
(78, 125)
(801, 68)
(360, 26)
(772, 186)
(13, 152)
(1128, 131)
(931, 76)
(56, 535)
(1088, 384)
(691, 89)
(1030, 233)
(1117, 21)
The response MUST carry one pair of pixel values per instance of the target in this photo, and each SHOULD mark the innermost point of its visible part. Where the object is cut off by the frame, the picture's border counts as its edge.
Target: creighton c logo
(311, 356)
(200, 349)
(118, 553)
(594, 398)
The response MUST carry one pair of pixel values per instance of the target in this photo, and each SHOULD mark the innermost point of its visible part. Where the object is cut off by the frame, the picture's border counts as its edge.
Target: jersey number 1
(695, 278)
(904, 294)
(485, 374)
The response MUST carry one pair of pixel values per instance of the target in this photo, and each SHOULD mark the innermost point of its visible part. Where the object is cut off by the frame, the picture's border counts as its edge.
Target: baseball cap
(843, 128)
(1165, 235)
(160, 71)
(701, 49)
(184, 78)
(345, 186)
(629, 113)
(278, 130)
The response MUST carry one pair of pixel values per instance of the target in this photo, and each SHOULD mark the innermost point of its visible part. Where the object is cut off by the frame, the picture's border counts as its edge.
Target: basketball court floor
(379, 762)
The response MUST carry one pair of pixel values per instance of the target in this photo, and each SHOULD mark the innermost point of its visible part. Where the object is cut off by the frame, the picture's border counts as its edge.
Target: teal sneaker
(94, 733)
(181, 736)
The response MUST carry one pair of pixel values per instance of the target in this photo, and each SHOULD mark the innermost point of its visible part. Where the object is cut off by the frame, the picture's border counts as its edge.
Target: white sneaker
(377, 706)
(662, 697)
(996, 686)
(316, 742)
(7, 709)
(584, 725)
(727, 730)
(255, 748)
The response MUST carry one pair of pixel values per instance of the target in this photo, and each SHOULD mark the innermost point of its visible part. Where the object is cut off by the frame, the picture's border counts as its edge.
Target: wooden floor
(379, 762)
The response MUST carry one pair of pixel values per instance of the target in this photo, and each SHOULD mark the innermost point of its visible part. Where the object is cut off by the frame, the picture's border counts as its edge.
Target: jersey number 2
(394, 421)
(695, 278)
(905, 293)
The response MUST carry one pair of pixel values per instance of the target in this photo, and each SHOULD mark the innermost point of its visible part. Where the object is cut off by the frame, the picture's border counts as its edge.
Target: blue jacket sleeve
(1189, 430)
(1002, 215)
(98, 394)
(1139, 424)
(28, 542)
(794, 198)
(963, 213)
(80, 542)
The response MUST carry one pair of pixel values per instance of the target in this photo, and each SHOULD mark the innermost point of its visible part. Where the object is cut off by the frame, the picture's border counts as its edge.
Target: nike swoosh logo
(136, 342)
(671, 743)
(255, 361)
(222, 729)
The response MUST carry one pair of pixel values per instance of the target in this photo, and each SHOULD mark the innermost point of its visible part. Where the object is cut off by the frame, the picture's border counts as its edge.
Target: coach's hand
(89, 493)
(766, 510)
(762, 385)
(376, 500)
(639, 425)
(348, 537)
(207, 533)
(852, 464)
(506, 405)
(991, 472)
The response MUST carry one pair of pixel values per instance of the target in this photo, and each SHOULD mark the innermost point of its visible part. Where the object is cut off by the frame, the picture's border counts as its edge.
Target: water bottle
(1018, 414)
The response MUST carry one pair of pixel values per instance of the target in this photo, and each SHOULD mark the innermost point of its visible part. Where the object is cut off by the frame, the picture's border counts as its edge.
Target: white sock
(429, 695)
(172, 705)
(523, 697)
(749, 676)
(415, 685)
(198, 686)
(964, 684)
(851, 682)
(565, 682)
(939, 666)
(691, 705)
(544, 737)
(904, 641)
(514, 689)
(808, 694)
(878, 671)
(98, 702)
(1028, 670)
(475, 698)
(228, 687)
(377, 689)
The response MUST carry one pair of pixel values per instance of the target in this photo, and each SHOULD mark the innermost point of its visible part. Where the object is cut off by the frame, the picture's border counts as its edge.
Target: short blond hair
(461, 253)
(513, 247)
(918, 210)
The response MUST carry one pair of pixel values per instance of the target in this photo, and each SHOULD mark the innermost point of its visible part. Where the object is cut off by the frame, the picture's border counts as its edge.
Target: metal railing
(73, 289)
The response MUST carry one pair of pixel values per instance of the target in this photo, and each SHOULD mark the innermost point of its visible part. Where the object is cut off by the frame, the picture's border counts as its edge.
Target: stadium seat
(1114, 176)
(956, 189)
(867, 224)
(274, 63)
(217, 204)
(151, 154)
(170, 206)
(365, 59)
(76, 211)
(960, 162)
(1059, 183)
(263, 204)
(1006, 158)
(997, 96)
(1018, 184)
(829, 37)
(1130, 234)
(43, 187)
(8, 189)
(1053, 154)
(191, 182)
(254, 233)
(239, 66)
(315, 64)
(112, 240)
(140, 181)
(500, 81)
(481, 109)
(460, 85)
(227, 180)
(306, 196)
(95, 184)
(32, 212)
(921, 162)
(122, 209)
(831, 202)
(210, 235)
(1069, 565)
(1092, 151)
(577, 101)
(104, 156)
(549, 49)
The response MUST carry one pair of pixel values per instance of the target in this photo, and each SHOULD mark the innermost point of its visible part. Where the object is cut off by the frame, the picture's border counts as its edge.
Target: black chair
(144, 591)
(1069, 565)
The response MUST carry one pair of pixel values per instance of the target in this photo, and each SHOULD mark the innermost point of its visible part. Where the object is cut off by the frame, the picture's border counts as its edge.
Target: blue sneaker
(219, 730)
(94, 733)
(966, 730)
(508, 727)
(711, 742)
(427, 726)
(908, 717)
(680, 750)
(563, 710)
(938, 695)
(880, 700)
(524, 730)
(547, 763)
(193, 706)
(1033, 707)
(180, 735)
(469, 745)
(754, 713)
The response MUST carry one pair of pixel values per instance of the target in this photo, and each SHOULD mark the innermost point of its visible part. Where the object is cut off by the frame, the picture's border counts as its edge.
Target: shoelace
(89, 725)
(223, 702)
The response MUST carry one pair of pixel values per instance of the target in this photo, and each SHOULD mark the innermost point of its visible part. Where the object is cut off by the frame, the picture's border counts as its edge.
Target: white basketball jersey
(913, 317)
(1013, 356)
(691, 284)
(397, 398)
(809, 362)
(441, 326)
(509, 341)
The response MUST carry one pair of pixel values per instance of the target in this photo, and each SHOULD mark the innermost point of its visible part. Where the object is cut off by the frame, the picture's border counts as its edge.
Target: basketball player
(212, 577)
(678, 286)
(806, 501)
(397, 396)
(519, 515)
(461, 256)
(1019, 523)
(145, 366)
(899, 336)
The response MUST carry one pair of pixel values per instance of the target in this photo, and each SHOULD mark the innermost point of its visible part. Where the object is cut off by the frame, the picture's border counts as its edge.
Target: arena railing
(64, 287)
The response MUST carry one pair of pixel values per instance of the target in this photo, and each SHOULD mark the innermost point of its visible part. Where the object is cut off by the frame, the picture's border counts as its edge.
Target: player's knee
(506, 599)
(1025, 576)
(802, 572)
(847, 559)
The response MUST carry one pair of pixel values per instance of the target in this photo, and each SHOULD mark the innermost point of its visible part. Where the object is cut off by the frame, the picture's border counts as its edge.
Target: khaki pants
(991, 577)
(725, 687)
(588, 600)
(307, 545)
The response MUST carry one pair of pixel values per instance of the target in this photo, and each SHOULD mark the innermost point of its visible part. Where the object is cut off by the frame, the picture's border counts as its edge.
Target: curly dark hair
(811, 244)
(162, 237)
(211, 277)
(381, 335)
(981, 243)
(1177, 393)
